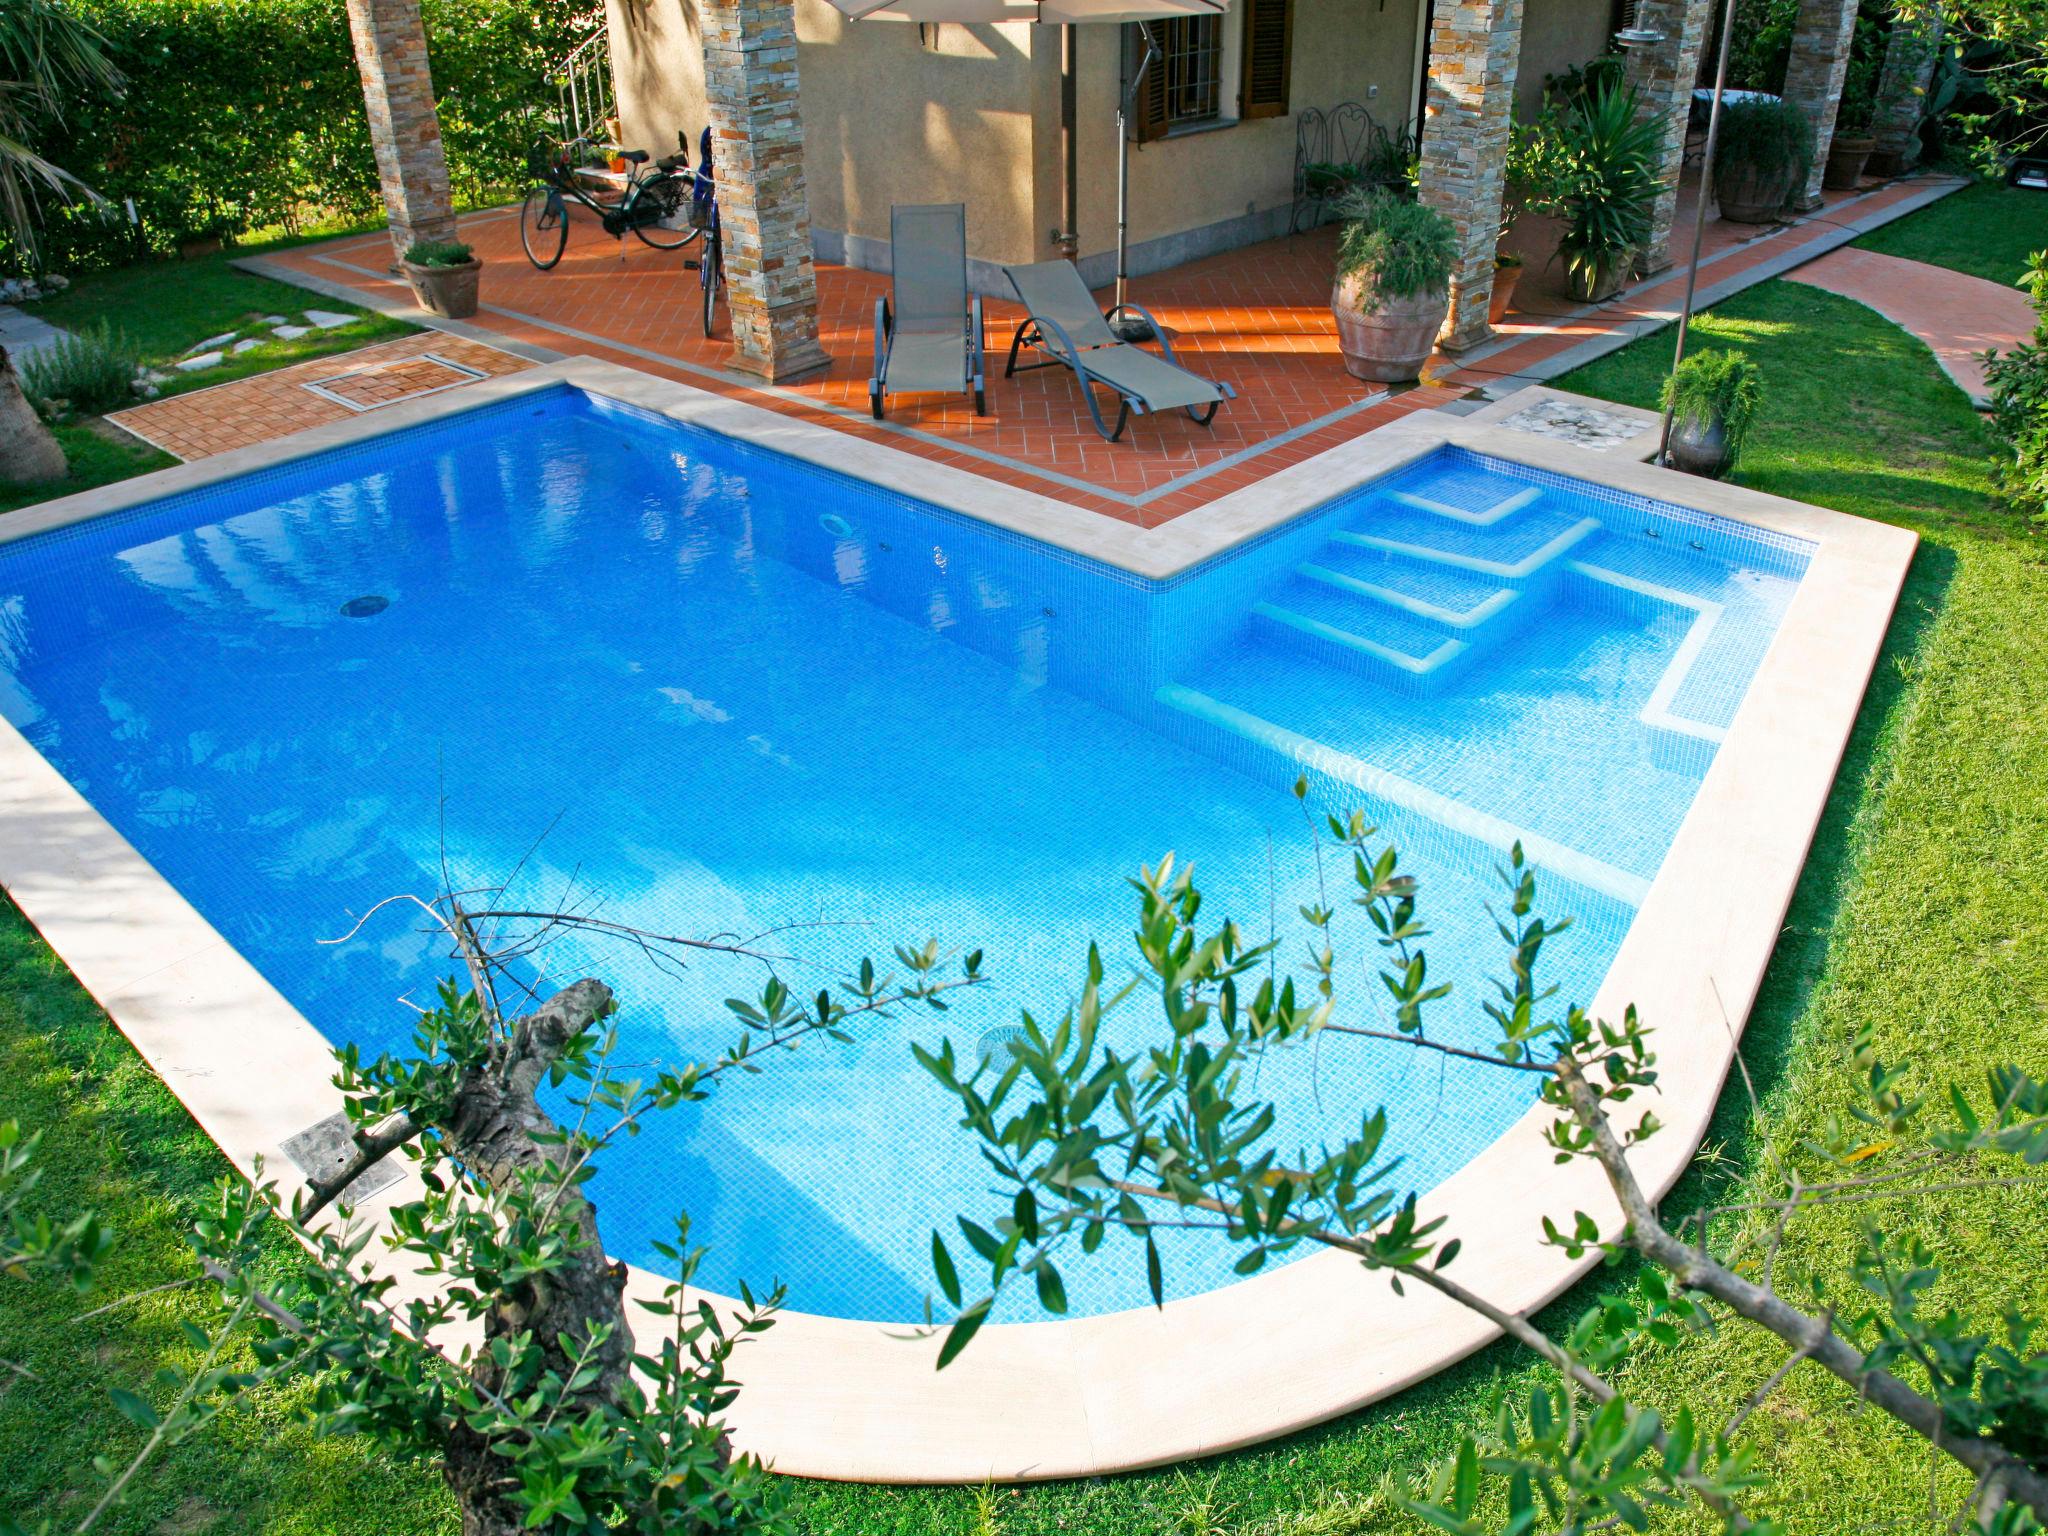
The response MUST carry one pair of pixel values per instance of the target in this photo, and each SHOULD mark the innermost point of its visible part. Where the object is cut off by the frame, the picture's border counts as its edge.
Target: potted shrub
(1607, 189)
(1762, 159)
(443, 274)
(1713, 398)
(1853, 144)
(1394, 264)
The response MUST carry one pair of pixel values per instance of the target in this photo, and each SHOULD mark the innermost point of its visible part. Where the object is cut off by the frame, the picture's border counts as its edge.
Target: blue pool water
(743, 692)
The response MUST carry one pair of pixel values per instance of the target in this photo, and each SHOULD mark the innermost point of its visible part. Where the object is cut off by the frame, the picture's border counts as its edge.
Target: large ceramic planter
(1601, 281)
(449, 292)
(1503, 298)
(1750, 196)
(1701, 448)
(1847, 157)
(1389, 343)
(1890, 162)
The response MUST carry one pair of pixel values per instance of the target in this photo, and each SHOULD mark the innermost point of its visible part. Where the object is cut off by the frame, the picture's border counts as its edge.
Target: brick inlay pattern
(388, 383)
(273, 405)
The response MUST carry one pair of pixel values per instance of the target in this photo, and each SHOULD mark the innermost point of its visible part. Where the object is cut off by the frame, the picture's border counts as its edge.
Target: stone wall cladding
(1474, 47)
(1663, 74)
(398, 94)
(1814, 76)
(750, 79)
(1902, 89)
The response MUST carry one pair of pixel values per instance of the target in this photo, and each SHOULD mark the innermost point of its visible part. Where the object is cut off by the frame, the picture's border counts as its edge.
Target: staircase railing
(583, 88)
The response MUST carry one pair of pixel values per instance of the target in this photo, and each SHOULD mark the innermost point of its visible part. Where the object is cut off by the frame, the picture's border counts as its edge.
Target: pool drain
(994, 1044)
(365, 607)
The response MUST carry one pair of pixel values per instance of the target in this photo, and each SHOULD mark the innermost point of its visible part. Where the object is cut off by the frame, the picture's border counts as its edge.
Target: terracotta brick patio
(1257, 317)
(272, 405)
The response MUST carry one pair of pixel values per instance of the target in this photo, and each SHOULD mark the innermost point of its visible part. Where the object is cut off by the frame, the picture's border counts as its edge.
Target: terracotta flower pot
(1749, 196)
(1504, 280)
(449, 292)
(1846, 158)
(1702, 448)
(1387, 344)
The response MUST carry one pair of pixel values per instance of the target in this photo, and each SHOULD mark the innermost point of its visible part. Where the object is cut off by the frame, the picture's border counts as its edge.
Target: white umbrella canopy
(1070, 13)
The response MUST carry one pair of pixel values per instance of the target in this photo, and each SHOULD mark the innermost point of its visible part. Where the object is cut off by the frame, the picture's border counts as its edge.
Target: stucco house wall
(972, 115)
(1558, 35)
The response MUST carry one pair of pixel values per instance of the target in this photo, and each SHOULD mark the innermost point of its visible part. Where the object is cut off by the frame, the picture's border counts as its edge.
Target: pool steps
(1409, 614)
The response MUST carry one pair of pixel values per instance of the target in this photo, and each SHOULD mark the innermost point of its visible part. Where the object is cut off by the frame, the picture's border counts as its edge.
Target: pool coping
(826, 1397)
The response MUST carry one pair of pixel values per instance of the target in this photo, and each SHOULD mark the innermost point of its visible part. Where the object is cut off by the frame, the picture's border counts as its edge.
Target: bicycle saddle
(633, 156)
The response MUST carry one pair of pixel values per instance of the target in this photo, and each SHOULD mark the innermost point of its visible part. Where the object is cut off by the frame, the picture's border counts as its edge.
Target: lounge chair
(931, 340)
(1063, 322)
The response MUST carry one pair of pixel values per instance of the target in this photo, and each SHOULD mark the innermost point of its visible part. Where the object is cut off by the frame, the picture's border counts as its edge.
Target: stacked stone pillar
(1474, 47)
(1662, 74)
(1813, 77)
(1902, 91)
(758, 152)
(398, 93)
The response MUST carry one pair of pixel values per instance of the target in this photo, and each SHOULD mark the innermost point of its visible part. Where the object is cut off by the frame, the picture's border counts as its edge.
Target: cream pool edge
(825, 1397)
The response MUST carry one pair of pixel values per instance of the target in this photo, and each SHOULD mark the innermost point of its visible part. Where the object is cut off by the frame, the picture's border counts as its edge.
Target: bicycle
(704, 214)
(656, 206)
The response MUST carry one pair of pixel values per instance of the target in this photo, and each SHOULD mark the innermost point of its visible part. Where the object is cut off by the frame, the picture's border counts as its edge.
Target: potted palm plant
(1762, 159)
(443, 275)
(1606, 191)
(1394, 264)
(1713, 398)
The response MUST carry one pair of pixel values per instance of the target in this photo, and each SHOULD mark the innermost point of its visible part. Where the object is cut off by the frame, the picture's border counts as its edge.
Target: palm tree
(48, 55)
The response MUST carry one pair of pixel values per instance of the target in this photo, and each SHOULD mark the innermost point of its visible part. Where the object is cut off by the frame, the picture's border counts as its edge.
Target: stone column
(1902, 91)
(1814, 76)
(398, 94)
(758, 154)
(1474, 47)
(1663, 74)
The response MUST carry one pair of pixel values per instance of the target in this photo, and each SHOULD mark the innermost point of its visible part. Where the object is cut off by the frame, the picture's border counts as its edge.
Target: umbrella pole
(1128, 327)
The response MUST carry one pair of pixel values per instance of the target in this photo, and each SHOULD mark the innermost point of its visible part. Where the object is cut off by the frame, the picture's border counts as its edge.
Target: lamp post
(1699, 220)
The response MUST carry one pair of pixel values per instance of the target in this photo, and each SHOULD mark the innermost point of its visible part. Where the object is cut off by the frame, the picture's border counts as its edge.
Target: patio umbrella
(1067, 13)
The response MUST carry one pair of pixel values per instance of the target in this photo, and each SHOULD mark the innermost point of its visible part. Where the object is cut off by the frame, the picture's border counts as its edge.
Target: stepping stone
(210, 343)
(327, 319)
(200, 363)
(290, 332)
(245, 344)
(272, 320)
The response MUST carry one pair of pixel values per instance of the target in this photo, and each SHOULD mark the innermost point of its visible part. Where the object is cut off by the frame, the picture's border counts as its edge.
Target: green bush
(1765, 139)
(243, 114)
(438, 253)
(2019, 404)
(1722, 386)
(1409, 248)
(92, 371)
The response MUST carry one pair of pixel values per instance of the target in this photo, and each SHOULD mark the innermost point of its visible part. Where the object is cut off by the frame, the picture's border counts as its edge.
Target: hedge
(242, 114)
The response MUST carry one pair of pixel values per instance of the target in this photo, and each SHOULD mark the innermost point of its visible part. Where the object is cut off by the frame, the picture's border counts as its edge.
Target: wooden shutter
(1268, 56)
(1151, 118)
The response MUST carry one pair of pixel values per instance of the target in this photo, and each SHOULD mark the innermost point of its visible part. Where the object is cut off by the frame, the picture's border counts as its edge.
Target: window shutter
(1268, 51)
(1151, 118)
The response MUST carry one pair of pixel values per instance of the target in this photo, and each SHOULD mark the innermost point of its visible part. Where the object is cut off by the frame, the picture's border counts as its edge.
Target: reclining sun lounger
(1063, 322)
(931, 340)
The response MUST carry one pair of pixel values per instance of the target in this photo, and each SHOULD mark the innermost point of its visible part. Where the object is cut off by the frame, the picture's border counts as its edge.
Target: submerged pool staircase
(1414, 594)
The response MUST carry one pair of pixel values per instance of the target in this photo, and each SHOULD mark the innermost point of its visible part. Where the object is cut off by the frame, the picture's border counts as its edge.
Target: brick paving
(1257, 317)
(272, 405)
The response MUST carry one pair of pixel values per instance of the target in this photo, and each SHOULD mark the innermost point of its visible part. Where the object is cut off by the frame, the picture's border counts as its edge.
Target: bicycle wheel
(543, 226)
(711, 276)
(661, 213)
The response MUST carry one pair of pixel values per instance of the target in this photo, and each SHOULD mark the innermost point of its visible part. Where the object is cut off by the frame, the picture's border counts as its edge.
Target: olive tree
(1101, 1150)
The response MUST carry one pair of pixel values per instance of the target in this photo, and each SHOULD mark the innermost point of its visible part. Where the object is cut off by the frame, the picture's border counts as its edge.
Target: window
(1186, 85)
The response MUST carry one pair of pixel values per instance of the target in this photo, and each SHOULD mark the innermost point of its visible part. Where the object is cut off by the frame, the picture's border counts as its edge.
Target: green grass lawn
(98, 455)
(1921, 910)
(1987, 230)
(165, 307)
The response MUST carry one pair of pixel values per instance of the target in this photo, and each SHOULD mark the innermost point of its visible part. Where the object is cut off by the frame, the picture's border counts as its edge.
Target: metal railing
(583, 87)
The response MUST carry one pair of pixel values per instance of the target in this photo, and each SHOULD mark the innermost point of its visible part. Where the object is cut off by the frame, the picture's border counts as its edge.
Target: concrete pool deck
(826, 1397)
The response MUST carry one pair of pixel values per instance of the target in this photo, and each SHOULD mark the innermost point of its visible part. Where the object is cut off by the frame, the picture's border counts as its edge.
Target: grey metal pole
(1128, 327)
(1699, 221)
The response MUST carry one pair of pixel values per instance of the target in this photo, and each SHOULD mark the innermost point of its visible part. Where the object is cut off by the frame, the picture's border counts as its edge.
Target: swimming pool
(756, 693)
